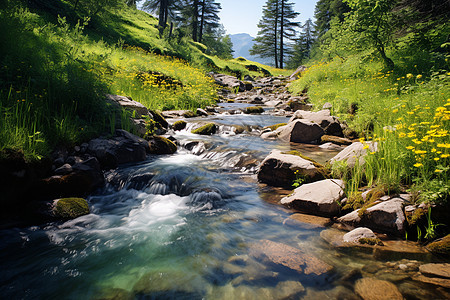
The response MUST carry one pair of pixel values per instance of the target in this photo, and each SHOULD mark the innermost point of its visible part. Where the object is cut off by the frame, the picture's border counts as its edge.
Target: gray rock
(358, 233)
(300, 131)
(297, 73)
(355, 152)
(327, 105)
(318, 198)
(328, 123)
(278, 169)
(386, 216)
(229, 81)
(124, 147)
(201, 112)
(330, 146)
(64, 169)
(129, 104)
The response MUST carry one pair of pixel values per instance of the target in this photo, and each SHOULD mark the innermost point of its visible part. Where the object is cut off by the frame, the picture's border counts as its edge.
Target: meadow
(407, 114)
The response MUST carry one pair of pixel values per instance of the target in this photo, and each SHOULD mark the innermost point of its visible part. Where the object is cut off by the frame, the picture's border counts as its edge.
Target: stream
(180, 227)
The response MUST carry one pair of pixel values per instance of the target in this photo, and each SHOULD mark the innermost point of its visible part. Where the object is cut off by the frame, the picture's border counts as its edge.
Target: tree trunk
(202, 22)
(171, 30)
(161, 23)
(275, 33)
(76, 4)
(281, 34)
(195, 21)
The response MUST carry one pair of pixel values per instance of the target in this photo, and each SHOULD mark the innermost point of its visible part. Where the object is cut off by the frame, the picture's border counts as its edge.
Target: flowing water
(179, 227)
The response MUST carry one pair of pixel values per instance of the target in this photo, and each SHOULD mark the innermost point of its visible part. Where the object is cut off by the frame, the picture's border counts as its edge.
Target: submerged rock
(290, 257)
(254, 110)
(278, 169)
(436, 270)
(313, 221)
(319, 197)
(70, 208)
(374, 289)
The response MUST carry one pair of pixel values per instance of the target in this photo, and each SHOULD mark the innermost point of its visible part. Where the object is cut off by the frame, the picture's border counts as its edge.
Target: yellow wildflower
(418, 165)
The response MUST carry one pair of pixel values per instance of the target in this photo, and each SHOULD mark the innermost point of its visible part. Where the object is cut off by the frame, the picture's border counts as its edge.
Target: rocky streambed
(206, 209)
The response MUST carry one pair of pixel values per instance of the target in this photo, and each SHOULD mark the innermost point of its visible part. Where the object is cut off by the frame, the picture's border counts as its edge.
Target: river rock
(290, 257)
(297, 73)
(161, 145)
(229, 81)
(436, 270)
(313, 221)
(444, 282)
(207, 129)
(335, 140)
(124, 147)
(323, 118)
(70, 208)
(331, 146)
(440, 246)
(279, 169)
(318, 198)
(159, 118)
(358, 233)
(300, 131)
(386, 216)
(355, 152)
(129, 104)
(374, 289)
(64, 169)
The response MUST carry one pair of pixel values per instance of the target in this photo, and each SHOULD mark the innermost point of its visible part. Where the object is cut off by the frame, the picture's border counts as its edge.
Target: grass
(408, 115)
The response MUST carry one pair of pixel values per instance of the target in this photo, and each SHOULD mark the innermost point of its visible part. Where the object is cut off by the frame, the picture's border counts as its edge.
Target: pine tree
(302, 48)
(326, 10)
(164, 8)
(276, 26)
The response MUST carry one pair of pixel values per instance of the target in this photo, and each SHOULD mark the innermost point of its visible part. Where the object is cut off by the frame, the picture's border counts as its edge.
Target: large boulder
(161, 145)
(386, 216)
(128, 104)
(124, 147)
(357, 234)
(356, 152)
(288, 256)
(323, 118)
(300, 131)
(441, 246)
(318, 198)
(375, 289)
(278, 169)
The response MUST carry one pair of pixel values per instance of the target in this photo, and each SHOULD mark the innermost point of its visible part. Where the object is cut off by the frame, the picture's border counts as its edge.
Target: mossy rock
(162, 145)
(70, 208)
(276, 126)
(159, 119)
(324, 170)
(189, 114)
(207, 129)
(335, 140)
(372, 196)
(179, 125)
(230, 101)
(254, 110)
(371, 241)
(354, 201)
(441, 246)
(239, 129)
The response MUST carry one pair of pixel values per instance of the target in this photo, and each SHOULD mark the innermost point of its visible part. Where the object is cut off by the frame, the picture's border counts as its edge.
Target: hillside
(58, 62)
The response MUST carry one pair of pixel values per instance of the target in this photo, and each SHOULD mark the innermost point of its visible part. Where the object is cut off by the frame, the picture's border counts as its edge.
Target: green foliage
(299, 179)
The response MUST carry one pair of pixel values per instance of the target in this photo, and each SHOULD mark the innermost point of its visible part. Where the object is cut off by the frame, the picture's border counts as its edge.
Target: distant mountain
(242, 43)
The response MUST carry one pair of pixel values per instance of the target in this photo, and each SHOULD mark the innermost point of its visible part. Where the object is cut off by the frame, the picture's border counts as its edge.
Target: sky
(242, 16)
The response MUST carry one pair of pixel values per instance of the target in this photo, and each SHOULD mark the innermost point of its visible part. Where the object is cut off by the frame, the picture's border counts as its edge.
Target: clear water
(179, 227)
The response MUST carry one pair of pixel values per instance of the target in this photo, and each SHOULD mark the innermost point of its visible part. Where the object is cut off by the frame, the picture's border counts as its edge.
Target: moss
(372, 196)
(162, 145)
(371, 241)
(207, 129)
(179, 125)
(254, 110)
(159, 119)
(230, 101)
(354, 201)
(189, 114)
(335, 140)
(239, 129)
(441, 246)
(276, 126)
(324, 170)
(71, 208)
(418, 215)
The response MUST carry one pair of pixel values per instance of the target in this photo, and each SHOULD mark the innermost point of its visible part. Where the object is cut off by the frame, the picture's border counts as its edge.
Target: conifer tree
(302, 48)
(276, 26)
